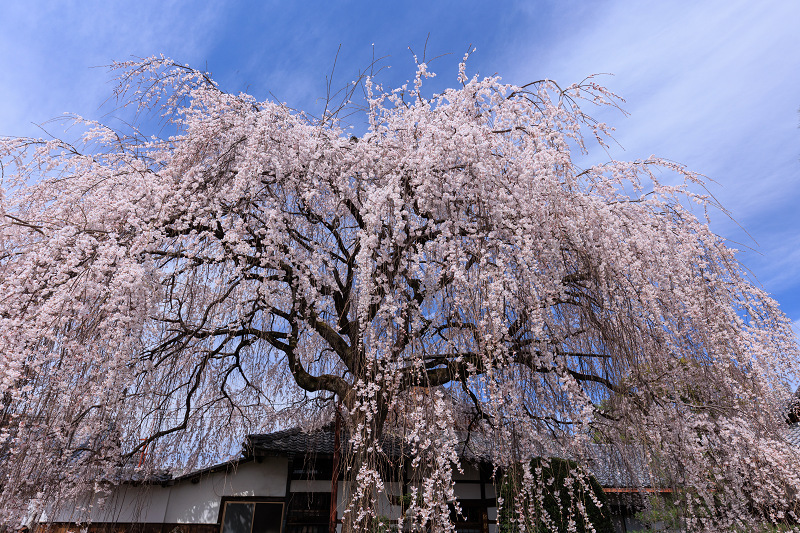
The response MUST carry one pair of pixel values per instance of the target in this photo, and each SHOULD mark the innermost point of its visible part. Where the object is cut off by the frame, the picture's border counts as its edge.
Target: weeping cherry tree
(450, 274)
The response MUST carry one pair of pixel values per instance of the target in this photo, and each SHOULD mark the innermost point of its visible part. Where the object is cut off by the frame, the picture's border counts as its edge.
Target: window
(248, 516)
(308, 512)
(473, 517)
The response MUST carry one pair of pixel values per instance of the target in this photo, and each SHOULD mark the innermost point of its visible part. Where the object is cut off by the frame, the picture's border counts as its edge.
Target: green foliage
(563, 489)
(383, 524)
(661, 511)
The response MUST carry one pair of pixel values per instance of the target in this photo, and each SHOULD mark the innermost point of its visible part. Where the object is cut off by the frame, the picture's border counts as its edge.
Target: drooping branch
(452, 268)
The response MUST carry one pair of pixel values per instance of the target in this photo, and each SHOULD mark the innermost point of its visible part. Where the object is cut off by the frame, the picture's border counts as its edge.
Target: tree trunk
(363, 511)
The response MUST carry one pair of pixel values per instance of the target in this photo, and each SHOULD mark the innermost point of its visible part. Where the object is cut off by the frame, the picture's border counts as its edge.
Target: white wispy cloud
(711, 84)
(48, 52)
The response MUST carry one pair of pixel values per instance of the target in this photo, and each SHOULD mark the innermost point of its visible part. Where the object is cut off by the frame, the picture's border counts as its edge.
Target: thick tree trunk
(363, 507)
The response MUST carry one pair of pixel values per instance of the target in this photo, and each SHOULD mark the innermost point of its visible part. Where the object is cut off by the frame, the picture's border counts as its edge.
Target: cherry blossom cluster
(452, 275)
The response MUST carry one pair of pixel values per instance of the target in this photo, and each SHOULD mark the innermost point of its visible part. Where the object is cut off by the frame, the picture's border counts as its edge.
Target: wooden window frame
(250, 499)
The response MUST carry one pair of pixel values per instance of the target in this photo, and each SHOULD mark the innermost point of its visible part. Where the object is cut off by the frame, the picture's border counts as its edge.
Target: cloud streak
(49, 53)
(708, 84)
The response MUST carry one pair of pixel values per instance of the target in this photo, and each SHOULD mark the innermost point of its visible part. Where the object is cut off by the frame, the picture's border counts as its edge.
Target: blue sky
(712, 84)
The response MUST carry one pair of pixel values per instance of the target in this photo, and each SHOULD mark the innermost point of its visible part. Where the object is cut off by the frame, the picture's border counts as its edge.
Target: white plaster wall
(491, 514)
(184, 502)
(310, 485)
(198, 503)
(193, 503)
(395, 488)
(468, 491)
(125, 504)
(342, 498)
(267, 478)
(145, 503)
(385, 508)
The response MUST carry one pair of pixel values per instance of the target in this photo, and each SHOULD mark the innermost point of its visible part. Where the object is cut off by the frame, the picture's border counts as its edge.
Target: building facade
(283, 484)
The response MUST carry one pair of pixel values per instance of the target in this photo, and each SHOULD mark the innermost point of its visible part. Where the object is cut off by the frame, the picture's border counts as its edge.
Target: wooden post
(337, 444)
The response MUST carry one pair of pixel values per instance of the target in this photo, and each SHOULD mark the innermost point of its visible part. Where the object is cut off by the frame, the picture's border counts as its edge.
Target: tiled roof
(296, 441)
(626, 466)
(612, 466)
(793, 434)
(293, 441)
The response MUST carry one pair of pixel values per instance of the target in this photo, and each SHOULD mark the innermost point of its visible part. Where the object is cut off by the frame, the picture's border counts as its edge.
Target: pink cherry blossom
(452, 271)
